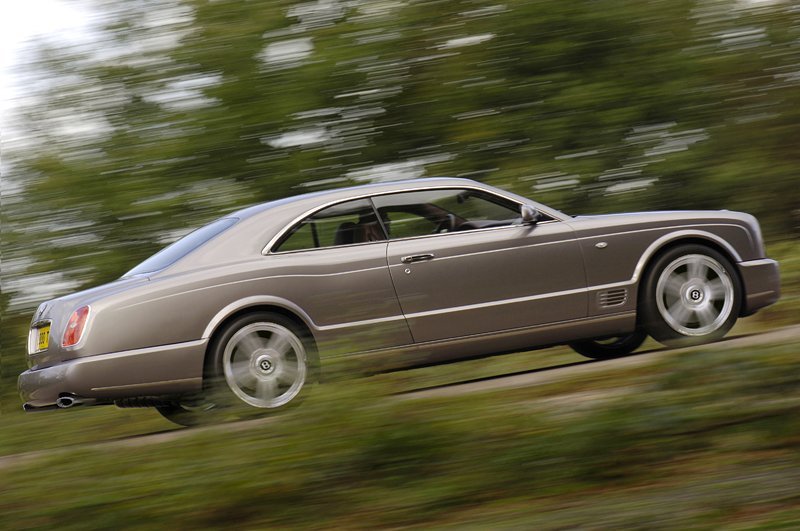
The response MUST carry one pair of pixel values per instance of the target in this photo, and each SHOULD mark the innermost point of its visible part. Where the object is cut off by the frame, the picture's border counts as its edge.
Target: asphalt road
(534, 377)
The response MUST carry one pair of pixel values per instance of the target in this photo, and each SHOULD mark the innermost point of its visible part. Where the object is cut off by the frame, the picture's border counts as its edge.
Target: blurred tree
(185, 110)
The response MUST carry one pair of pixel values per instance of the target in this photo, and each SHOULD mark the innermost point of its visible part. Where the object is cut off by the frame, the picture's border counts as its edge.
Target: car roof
(258, 226)
(310, 199)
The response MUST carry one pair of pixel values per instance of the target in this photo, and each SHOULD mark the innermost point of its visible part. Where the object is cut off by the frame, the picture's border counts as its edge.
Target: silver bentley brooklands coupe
(246, 311)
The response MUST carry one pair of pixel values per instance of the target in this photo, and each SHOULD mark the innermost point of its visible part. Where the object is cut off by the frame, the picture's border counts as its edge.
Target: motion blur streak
(170, 113)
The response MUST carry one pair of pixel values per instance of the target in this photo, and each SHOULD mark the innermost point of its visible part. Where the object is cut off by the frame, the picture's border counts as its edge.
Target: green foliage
(718, 424)
(188, 109)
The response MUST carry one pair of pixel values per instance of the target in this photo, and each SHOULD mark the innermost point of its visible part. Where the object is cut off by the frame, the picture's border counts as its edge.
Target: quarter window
(343, 224)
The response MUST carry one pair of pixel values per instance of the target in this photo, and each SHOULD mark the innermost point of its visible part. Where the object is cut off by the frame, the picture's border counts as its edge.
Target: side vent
(612, 297)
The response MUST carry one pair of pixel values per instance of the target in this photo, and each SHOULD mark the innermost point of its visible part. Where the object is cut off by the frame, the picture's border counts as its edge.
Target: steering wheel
(448, 224)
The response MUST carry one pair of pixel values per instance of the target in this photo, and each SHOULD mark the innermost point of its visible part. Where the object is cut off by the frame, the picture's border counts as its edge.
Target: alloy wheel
(695, 295)
(265, 364)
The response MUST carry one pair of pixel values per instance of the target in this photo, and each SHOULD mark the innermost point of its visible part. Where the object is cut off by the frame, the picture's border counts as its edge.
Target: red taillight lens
(75, 326)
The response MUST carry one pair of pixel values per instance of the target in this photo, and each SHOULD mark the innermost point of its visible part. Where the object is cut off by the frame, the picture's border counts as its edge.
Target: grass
(787, 309)
(697, 439)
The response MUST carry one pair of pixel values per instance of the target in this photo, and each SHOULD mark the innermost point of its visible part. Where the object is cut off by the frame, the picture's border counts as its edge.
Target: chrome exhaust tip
(65, 402)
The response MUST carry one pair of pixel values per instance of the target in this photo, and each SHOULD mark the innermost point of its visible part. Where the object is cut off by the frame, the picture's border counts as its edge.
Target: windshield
(179, 249)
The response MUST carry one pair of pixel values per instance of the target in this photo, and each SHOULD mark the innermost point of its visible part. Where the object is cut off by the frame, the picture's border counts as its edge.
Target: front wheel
(608, 348)
(691, 295)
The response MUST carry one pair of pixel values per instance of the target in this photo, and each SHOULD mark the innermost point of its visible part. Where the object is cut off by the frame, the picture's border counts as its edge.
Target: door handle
(417, 258)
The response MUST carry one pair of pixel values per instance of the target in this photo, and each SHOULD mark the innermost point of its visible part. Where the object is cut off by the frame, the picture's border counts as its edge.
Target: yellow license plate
(44, 337)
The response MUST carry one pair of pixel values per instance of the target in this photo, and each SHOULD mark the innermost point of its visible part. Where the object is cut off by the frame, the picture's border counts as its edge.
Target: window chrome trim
(327, 248)
(267, 250)
(296, 224)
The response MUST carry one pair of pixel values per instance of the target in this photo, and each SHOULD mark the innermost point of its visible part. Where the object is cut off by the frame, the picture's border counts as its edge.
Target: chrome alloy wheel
(695, 295)
(265, 364)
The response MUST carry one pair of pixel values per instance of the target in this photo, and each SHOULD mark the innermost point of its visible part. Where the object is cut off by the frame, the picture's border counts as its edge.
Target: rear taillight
(75, 326)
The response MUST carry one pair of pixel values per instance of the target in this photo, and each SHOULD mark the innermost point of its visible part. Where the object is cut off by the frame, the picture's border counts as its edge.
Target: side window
(342, 224)
(436, 211)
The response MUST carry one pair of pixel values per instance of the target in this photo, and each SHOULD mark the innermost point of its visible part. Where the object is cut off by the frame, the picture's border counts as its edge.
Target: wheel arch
(671, 241)
(255, 305)
(259, 304)
(684, 237)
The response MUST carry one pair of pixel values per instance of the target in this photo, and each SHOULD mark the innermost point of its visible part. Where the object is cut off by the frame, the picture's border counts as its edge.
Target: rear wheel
(187, 413)
(259, 363)
(612, 347)
(264, 362)
(691, 295)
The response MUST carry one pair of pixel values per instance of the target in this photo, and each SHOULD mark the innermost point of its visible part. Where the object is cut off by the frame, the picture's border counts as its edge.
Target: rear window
(171, 254)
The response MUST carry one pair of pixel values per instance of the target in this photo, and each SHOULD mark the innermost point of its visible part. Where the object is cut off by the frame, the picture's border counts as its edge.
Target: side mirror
(529, 214)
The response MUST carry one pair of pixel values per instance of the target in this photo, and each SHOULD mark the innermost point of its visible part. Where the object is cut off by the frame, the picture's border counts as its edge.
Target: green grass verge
(698, 439)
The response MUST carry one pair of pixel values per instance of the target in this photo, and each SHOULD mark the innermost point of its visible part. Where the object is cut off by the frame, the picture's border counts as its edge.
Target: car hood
(667, 215)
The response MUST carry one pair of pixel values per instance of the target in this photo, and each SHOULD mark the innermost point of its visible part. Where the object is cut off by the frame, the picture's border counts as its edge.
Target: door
(333, 266)
(462, 263)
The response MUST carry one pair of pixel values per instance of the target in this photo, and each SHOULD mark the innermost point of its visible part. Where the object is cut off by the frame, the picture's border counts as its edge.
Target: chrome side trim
(258, 300)
(490, 304)
(366, 322)
(268, 248)
(501, 302)
(256, 279)
(515, 300)
(487, 335)
(678, 234)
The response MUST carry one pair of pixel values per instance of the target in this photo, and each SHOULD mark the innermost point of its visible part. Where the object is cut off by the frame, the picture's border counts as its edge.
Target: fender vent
(612, 297)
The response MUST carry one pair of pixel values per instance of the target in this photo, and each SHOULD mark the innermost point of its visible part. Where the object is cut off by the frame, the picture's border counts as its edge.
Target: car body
(401, 273)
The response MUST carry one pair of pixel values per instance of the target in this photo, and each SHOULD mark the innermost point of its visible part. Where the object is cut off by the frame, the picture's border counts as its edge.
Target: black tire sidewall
(650, 317)
(178, 414)
(599, 351)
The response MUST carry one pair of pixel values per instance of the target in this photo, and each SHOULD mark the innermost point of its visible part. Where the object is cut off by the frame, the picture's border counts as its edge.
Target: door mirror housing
(529, 214)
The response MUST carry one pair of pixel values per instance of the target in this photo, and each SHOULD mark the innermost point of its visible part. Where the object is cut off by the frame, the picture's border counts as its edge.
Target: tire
(613, 347)
(187, 413)
(259, 363)
(691, 295)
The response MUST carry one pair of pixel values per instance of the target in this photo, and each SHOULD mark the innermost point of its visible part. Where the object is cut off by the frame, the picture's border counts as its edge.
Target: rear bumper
(762, 284)
(158, 371)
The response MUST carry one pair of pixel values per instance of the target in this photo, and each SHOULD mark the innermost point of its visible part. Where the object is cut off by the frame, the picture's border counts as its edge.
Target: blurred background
(125, 124)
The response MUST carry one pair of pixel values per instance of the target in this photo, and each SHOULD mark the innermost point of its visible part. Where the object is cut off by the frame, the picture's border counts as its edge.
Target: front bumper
(158, 371)
(761, 282)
